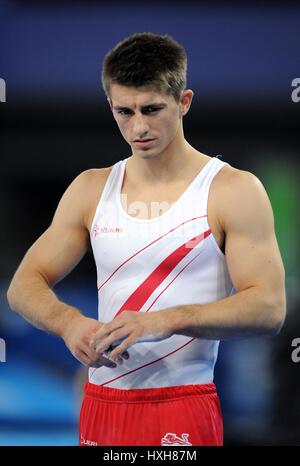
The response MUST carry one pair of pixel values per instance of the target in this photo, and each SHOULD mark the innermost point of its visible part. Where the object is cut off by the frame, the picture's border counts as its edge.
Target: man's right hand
(77, 336)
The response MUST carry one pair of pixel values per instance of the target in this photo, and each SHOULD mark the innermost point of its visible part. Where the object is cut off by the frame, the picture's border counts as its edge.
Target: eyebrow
(144, 107)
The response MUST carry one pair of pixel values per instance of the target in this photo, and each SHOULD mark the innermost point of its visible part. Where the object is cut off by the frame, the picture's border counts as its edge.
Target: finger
(122, 347)
(102, 361)
(102, 333)
(105, 331)
(91, 353)
(125, 355)
(120, 359)
(96, 359)
(107, 352)
(82, 358)
(113, 339)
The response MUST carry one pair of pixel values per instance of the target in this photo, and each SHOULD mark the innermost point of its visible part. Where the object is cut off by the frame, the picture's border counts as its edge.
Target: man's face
(148, 120)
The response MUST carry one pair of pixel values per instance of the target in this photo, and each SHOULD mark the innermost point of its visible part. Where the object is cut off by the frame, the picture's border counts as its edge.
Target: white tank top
(148, 265)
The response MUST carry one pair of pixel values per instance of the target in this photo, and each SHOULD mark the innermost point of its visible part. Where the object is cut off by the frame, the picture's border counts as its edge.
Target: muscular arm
(255, 267)
(56, 252)
(254, 264)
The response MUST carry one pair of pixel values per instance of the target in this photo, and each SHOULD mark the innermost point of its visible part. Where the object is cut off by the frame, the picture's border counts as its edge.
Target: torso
(164, 196)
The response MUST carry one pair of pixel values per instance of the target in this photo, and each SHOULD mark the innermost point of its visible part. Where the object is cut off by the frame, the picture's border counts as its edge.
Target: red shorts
(181, 415)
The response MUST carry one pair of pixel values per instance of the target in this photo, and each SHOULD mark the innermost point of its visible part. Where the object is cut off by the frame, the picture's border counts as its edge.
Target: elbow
(11, 296)
(276, 327)
(278, 318)
(14, 292)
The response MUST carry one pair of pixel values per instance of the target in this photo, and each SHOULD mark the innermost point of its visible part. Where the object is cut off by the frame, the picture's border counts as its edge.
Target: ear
(185, 101)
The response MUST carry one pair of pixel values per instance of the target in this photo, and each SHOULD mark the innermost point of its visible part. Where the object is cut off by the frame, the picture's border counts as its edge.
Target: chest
(148, 204)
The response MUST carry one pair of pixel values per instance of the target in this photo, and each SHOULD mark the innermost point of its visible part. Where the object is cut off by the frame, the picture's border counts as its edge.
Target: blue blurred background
(55, 123)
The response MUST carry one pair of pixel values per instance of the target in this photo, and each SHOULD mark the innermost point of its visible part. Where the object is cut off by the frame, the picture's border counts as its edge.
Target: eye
(152, 109)
(124, 112)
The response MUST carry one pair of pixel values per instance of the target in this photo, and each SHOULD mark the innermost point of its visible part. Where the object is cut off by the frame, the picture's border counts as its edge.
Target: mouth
(143, 142)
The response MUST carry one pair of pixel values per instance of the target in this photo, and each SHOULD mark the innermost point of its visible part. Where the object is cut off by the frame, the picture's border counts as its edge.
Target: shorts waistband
(147, 394)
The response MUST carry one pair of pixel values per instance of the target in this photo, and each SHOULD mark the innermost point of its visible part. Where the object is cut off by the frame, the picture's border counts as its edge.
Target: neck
(167, 166)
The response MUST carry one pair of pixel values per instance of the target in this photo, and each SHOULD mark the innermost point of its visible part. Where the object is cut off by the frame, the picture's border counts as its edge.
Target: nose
(140, 126)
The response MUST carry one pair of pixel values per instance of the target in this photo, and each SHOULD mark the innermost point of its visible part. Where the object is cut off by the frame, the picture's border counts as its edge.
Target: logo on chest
(102, 230)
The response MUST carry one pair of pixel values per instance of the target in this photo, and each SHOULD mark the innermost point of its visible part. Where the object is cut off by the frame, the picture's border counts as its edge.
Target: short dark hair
(145, 59)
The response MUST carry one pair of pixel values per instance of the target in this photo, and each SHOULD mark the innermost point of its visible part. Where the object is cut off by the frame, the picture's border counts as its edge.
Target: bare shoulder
(92, 184)
(80, 198)
(240, 193)
(231, 180)
(93, 175)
